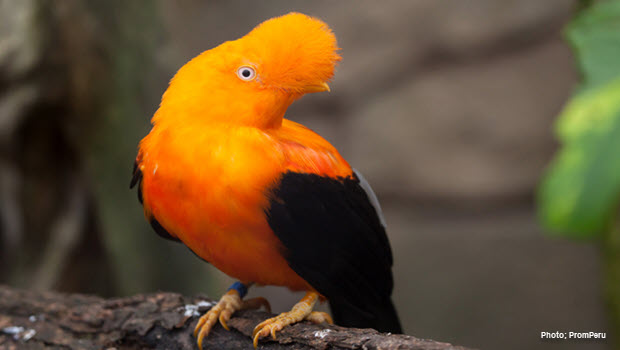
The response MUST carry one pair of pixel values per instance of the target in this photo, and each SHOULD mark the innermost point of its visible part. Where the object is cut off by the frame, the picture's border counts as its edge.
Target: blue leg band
(240, 288)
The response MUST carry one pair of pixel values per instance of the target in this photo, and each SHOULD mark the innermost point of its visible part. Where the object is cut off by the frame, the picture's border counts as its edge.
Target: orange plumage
(219, 145)
(208, 188)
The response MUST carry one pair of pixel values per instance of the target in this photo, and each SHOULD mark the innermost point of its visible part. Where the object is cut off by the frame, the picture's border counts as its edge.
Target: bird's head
(253, 80)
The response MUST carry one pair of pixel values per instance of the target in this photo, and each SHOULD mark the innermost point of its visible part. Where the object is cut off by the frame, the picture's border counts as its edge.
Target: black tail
(381, 317)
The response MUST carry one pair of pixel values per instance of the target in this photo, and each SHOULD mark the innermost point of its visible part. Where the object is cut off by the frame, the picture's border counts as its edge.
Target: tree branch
(47, 320)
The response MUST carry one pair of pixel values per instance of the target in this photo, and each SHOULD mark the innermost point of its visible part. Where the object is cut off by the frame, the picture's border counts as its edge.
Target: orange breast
(210, 188)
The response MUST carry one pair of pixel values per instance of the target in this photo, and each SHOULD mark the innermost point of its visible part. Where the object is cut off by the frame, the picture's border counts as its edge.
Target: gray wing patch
(371, 196)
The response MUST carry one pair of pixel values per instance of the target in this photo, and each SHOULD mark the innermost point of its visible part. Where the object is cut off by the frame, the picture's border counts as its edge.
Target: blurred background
(446, 107)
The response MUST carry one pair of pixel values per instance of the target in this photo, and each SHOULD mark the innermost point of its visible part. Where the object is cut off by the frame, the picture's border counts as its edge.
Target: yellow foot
(319, 317)
(223, 310)
(301, 311)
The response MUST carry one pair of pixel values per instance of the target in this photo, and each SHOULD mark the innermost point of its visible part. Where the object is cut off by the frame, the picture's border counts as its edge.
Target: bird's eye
(246, 73)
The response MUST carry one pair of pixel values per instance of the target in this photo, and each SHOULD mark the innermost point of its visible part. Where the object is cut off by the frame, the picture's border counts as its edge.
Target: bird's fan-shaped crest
(294, 50)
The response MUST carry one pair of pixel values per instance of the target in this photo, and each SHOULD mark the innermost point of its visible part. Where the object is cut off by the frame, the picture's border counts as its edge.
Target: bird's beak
(320, 87)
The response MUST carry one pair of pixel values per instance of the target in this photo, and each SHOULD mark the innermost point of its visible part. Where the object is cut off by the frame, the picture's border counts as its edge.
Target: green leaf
(579, 194)
(595, 37)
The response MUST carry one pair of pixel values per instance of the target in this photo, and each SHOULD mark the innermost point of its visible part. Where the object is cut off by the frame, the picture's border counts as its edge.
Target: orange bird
(264, 199)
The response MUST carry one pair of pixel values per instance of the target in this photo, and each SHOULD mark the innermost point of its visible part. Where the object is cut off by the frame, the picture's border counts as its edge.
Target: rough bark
(47, 320)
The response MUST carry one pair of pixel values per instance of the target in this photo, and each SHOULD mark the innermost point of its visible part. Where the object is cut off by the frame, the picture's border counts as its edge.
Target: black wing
(334, 239)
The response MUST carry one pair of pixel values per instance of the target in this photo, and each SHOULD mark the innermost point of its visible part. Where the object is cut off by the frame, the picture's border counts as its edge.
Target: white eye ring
(246, 73)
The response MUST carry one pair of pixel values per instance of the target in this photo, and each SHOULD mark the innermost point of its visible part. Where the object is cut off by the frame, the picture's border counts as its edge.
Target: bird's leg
(301, 311)
(223, 310)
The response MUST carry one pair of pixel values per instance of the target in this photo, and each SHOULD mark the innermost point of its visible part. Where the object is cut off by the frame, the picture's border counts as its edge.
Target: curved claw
(224, 317)
(228, 304)
(204, 331)
(257, 328)
(256, 335)
(302, 310)
(264, 328)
